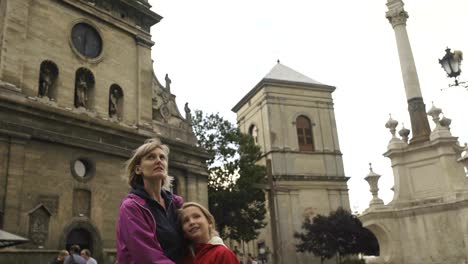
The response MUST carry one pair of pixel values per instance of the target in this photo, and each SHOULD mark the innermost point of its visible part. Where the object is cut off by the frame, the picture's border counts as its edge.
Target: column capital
(397, 17)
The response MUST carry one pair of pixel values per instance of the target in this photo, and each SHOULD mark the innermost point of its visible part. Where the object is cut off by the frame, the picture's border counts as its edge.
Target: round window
(86, 40)
(82, 169)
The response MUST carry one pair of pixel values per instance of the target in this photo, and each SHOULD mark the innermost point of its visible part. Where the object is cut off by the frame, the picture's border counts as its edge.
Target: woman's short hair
(206, 213)
(143, 150)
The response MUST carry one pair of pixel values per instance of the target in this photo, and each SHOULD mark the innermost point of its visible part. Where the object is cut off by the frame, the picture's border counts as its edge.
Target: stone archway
(385, 246)
(84, 234)
(80, 237)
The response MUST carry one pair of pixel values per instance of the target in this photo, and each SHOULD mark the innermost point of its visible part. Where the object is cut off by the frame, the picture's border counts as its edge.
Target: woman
(147, 228)
(206, 246)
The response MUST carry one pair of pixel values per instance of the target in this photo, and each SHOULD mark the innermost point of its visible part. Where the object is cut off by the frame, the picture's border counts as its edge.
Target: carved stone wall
(39, 225)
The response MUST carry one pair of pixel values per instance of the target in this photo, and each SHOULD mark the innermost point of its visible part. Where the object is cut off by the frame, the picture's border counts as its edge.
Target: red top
(211, 254)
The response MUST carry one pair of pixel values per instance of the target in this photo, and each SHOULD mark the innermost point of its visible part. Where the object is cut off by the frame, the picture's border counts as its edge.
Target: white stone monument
(427, 220)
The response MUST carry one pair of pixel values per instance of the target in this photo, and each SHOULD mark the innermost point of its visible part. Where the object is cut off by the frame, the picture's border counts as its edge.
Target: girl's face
(195, 225)
(153, 165)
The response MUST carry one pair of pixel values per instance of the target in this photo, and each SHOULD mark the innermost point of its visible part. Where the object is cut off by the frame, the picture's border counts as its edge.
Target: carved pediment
(164, 105)
(166, 116)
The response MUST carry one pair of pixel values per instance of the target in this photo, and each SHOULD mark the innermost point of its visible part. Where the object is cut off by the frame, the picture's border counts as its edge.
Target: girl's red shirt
(211, 254)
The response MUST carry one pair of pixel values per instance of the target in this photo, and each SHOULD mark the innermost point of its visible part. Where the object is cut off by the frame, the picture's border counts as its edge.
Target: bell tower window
(304, 134)
(253, 131)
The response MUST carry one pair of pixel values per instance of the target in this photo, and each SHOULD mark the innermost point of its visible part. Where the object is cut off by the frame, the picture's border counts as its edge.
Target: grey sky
(216, 51)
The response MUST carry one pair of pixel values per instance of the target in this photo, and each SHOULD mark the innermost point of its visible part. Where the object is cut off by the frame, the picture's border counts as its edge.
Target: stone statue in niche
(168, 82)
(81, 91)
(188, 115)
(114, 98)
(45, 82)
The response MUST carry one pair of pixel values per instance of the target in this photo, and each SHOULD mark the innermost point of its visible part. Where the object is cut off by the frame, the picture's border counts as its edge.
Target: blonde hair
(206, 213)
(143, 150)
(63, 253)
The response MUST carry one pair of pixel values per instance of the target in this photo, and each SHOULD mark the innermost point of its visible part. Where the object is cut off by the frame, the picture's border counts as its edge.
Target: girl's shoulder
(222, 254)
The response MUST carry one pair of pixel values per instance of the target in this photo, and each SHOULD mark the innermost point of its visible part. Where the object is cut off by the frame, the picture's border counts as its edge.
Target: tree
(339, 234)
(234, 200)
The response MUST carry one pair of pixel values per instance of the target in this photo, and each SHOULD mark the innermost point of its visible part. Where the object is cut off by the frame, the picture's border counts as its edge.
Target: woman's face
(195, 225)
(153, 165)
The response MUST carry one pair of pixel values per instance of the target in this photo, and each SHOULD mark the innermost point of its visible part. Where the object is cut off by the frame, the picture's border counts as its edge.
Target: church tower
(291, 117)
(77, 95)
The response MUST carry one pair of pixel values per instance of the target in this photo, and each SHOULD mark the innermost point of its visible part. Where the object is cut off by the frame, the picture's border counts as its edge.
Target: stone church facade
(77, 95)
(291, 117)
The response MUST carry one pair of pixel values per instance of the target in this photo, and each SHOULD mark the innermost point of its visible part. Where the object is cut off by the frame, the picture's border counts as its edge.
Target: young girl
(206, 246)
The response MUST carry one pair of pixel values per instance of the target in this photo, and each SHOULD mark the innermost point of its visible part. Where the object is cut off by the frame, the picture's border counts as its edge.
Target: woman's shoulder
(177, 200)
(131, 201)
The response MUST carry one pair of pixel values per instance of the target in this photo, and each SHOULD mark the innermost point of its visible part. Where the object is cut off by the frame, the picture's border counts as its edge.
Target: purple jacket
(136, 233)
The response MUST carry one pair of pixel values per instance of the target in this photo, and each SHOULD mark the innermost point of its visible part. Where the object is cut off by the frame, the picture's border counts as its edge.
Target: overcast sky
(215, 51)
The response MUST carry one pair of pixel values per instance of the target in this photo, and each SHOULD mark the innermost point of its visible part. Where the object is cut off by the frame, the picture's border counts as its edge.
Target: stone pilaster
(15, 30)
(144, 80)
(15, 179)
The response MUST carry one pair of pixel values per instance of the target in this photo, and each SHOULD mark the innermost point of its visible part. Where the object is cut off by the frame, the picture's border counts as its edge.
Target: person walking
(86, 254)
(74, 257)
(250, 259)
(60, 258)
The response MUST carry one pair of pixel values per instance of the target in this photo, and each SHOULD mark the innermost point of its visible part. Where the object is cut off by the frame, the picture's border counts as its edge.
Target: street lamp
(451, 63)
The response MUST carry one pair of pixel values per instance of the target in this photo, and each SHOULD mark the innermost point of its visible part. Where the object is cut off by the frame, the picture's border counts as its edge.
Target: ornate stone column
(416, 107)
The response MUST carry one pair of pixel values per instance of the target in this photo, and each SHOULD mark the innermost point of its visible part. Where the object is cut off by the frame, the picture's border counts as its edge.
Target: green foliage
(339, 234)
(236, 203)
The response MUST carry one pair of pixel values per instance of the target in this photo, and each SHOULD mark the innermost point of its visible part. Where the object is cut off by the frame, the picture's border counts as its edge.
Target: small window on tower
(304, 134)
(253, 131)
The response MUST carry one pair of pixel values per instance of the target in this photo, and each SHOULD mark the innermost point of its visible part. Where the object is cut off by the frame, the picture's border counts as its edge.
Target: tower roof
(281, 72)
(283, 75)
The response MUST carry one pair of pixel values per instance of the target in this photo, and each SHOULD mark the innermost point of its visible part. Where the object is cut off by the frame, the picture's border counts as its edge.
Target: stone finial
(373, 180)
(445, 122)
(391, 124)
(435, 112)
(404, 133)
(395, 142)
(442, 129)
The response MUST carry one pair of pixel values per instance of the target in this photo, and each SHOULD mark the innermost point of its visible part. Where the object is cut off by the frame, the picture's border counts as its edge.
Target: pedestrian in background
(60, 258)
(74, 257)
(86, 254)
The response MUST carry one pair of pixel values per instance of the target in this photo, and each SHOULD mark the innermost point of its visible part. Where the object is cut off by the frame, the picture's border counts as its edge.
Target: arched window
(84, 88)
(253, 131)
(48, 74)
(115, 102)
(304, 134)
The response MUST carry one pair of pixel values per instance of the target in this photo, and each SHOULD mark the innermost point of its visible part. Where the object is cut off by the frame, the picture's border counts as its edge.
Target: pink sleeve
(137, 236)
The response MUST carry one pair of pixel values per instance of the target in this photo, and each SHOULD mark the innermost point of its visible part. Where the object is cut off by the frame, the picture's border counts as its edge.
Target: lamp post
(451, 63)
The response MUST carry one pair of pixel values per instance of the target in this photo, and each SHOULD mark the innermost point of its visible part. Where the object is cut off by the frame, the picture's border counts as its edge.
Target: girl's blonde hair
(206, 213)
(143, 150)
